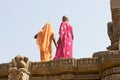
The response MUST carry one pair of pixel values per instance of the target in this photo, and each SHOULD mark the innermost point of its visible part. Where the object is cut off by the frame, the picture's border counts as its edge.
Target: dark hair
(64, 18)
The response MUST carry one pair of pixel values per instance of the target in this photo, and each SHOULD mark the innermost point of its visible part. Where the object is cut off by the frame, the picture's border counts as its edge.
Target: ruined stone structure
(104, 65)
(19, 68)
(114, 26)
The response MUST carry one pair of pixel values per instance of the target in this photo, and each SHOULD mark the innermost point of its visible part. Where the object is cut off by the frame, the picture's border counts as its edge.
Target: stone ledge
(68, 77)
(4, 70)
(102, 64)
(65, 66)
(107, 59)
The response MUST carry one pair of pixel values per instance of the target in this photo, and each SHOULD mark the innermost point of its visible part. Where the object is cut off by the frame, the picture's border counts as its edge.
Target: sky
(20, 20)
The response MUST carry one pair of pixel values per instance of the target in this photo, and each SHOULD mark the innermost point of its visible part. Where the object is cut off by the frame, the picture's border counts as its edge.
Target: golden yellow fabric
(44, 42)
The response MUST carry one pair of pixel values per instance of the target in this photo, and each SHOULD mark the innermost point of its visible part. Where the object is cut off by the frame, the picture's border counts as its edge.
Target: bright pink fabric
(64, 49)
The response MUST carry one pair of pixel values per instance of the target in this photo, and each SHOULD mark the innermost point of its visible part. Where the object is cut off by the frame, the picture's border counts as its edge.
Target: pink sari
(64, 49)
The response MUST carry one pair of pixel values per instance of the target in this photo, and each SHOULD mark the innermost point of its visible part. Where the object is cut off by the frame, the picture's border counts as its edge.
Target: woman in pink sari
(64, 49)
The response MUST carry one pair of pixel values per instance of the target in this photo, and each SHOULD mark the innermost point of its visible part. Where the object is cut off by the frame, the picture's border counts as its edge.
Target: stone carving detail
(18, 74)
(112, 77)
(114, 26)
(110, 71)
(19, 68)
(104, 65)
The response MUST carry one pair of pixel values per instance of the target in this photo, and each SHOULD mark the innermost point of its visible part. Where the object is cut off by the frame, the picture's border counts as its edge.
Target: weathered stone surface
(4, 70)
(54, 67)
(115, 10)
(19, 68)
(108, 58)
(114, 26)
(4, 79)
(88, 65)
(20, 62)
(104, 65)
(18, 74)
(113, 33)
(115, 3)
(69, 77)
(112, 77)
(109, 64)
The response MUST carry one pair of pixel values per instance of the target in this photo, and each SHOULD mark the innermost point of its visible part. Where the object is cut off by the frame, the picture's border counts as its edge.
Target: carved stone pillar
(19, 69)
(114, 26)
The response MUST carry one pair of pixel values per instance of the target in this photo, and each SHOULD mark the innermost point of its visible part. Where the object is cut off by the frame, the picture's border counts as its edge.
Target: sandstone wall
(104, 65)
(115, 3)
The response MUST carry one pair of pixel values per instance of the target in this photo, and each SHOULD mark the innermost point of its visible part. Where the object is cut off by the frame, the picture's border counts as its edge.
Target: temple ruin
(104, 65)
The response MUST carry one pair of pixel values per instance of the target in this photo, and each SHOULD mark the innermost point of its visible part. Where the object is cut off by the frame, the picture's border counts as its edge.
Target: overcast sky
(20, 20)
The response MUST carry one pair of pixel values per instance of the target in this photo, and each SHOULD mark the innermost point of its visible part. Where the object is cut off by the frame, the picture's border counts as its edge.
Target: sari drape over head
(44, 42)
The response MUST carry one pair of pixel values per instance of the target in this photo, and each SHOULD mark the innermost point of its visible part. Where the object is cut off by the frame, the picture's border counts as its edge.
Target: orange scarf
(44, 38)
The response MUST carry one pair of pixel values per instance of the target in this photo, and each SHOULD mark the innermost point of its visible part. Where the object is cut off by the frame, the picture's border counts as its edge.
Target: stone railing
(64, 65)
(66, 69)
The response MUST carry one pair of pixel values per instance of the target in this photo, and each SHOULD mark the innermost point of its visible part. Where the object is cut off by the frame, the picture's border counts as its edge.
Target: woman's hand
(35, 36)
(58, 41)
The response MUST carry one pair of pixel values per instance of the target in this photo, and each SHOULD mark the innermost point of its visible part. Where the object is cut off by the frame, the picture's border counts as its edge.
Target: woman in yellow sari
(44, 41)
